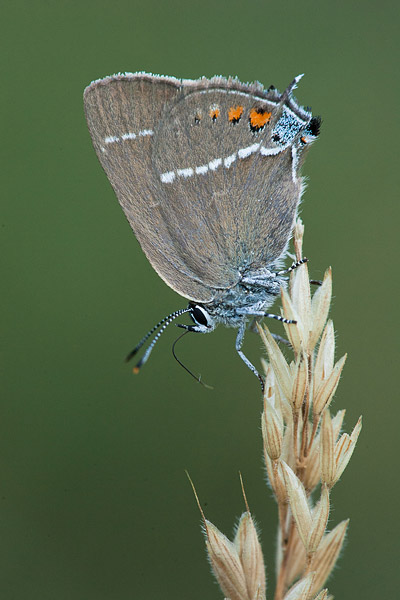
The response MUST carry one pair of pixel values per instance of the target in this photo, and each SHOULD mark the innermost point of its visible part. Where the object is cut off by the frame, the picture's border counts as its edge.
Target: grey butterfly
(207, 174)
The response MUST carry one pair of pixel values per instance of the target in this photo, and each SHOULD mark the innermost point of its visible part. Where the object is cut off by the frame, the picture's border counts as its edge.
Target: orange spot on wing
(303, 139)
(214, 113)
(234, 113)
(259, 118)
(135, 370)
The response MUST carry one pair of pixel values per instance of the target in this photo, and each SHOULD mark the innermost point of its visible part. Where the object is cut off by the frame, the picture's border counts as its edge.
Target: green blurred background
(94, 501)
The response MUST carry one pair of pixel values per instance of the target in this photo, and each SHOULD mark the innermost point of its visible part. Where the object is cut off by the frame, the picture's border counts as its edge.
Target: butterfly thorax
(251, 296)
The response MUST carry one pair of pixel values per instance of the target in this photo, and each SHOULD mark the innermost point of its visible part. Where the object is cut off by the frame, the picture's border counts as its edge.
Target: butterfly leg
(239, 344)
(292, 267)
(277, 338)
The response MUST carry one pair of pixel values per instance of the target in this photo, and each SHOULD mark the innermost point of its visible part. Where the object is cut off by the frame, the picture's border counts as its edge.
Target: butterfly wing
(228, 158)
(206, 172)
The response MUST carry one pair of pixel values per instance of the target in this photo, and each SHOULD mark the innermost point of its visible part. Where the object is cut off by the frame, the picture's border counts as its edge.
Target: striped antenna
(163, 324)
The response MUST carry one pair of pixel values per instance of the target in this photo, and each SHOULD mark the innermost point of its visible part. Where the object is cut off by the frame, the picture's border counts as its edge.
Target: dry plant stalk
(303, 452)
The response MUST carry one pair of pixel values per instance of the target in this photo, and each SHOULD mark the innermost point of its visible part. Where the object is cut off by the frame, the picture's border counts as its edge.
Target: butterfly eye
(201, 316)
